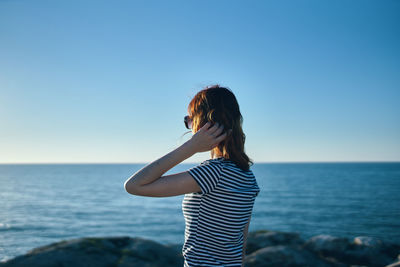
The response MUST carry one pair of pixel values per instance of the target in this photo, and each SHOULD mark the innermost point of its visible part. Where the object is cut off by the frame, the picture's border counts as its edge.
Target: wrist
(189, 148)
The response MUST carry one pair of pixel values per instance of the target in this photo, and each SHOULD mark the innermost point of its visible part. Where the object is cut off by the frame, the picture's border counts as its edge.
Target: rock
(98, 251)
(264, 248)
(367, 241)
(372, 251)
(327, 245)
(282, 256)
(365, 256)
(263, 238)
(395, 264)
(366, 251)
(176, 247)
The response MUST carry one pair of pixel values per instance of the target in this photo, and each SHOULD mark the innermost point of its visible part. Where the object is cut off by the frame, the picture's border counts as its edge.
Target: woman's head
(218, 104)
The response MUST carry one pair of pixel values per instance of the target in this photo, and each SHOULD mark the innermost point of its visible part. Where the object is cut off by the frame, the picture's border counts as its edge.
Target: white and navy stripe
(215, 217)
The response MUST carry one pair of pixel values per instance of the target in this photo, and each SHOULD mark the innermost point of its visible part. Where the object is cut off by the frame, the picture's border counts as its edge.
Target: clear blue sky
(110, 81)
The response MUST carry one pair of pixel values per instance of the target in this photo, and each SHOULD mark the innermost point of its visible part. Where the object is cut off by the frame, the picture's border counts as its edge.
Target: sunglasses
(188, 122)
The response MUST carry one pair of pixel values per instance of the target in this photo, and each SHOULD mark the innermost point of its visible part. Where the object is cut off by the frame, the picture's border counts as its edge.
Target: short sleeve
(207, 175)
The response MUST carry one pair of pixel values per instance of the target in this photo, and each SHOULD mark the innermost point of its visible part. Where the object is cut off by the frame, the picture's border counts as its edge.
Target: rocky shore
(264, 248)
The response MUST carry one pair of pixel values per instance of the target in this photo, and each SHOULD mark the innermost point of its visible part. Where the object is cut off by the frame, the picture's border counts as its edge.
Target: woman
(219, 193)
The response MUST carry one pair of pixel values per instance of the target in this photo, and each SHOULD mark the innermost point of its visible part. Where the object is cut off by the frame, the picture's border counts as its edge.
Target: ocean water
(45, 203)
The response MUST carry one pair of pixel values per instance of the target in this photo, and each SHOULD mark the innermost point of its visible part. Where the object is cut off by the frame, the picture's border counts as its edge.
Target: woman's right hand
(207, 137)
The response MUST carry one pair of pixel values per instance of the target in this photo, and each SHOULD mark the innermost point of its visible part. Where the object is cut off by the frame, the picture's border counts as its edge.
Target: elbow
(126, 186)
(129, 187)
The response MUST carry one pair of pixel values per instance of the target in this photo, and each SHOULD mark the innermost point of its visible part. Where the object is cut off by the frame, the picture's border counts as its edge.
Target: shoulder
(207, 174)
(231, 166)
(213, 164)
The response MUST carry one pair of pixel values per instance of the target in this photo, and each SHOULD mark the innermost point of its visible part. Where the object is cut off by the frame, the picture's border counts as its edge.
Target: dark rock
(372, 251)
(263, 238)
(327, 245)
(365, 256)
(394, 264)
(368, 241)
(264, 248)
(390, 249)
(176, 247)
(99, 251)
(285, 256)
(362, 251)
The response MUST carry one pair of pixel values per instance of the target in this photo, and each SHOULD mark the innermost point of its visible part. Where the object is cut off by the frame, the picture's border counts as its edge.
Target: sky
(110, 81)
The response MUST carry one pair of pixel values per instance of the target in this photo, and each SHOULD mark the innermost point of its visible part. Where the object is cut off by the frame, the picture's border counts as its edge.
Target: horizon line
(197, 162)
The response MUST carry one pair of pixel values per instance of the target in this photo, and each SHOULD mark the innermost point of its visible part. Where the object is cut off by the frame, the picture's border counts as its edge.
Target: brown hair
(218, 104)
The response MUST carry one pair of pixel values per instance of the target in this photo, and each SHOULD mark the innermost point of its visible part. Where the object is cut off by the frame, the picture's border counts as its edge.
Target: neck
(215, 155)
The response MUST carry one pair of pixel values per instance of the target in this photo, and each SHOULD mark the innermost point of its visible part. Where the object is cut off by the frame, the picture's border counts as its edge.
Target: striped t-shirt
(215, 217)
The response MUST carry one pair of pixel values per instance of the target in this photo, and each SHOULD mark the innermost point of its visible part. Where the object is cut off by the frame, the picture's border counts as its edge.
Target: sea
(45, 203)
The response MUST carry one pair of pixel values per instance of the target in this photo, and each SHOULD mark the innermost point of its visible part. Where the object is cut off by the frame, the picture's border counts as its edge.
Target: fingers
(221, 137)
(218, 137)
(216, 129)
(206, 126)
(212, 129)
